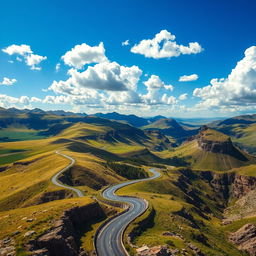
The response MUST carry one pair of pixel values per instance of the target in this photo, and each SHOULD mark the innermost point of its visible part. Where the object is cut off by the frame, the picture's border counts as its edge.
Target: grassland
(15, 223)
(27, 167)
(213, 135)
(206, 160)
(170, 203)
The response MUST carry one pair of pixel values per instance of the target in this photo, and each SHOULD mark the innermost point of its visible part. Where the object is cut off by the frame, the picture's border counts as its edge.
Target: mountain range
(200, 205)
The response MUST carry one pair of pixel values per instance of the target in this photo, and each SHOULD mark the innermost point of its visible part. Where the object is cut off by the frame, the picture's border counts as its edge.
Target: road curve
(109, 239)
(55, 180)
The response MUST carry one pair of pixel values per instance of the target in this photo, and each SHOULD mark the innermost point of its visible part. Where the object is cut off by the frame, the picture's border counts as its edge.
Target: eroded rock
(245, 238)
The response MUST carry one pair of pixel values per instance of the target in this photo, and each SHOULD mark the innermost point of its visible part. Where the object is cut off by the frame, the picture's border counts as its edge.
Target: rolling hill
(211, 150)
(241, 129)
(170, 127)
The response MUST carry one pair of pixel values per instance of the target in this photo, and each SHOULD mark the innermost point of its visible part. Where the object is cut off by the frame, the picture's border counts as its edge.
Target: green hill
(211, 150)
(241, 129)
(170, 127)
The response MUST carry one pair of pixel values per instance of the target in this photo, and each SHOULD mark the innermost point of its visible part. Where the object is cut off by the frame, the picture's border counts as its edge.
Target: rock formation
(245, 238)
(62, 238)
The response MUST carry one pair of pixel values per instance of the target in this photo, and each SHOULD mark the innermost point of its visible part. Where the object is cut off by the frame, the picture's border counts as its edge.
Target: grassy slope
(42, 217)
(22, 183)
(213, 135)
(246, 135)
(205, 160)
(167, 200)
(24, 180)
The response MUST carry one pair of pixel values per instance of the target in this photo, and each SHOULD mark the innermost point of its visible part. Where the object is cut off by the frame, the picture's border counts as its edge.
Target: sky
(184, 58)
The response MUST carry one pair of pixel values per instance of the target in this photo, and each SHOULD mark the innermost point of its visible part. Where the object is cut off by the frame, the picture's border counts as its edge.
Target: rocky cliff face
(223, 147)
(232, 184)
(245, 238)
(215, 142)
(63, 239)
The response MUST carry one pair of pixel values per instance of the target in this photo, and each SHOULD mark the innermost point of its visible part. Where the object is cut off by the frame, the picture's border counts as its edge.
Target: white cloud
(125, 43)
(9, 101)
(33, 60)
(103, 76)
(8, 81)
(35, 99)
(14, 49)
(235, 92)
(83, 54)
(183, 96)
(169, 100)
(163, 45)
(154, 96)
(57, 67)
(25, 53)
(154, 82)
(187, 78)
(125, 97)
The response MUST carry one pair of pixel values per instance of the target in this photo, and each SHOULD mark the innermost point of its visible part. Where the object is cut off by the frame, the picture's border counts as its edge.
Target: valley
(55, 167)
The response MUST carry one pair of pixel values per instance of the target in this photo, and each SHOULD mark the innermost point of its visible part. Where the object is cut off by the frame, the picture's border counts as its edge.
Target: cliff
(63, 239)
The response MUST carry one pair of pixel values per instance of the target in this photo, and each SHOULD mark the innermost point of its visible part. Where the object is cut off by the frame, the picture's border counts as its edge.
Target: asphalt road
(56, 176)
(109, 239)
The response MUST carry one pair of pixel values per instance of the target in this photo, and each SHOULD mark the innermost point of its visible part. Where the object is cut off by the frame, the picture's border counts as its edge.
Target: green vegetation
(213, 135)
(127, 171)
(181, 202)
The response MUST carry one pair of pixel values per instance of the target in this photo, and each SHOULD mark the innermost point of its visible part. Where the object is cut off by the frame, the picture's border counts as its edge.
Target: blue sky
(129, 78)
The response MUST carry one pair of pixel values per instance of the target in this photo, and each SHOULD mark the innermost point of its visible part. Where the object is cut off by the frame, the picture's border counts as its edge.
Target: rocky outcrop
(215, 142)
(245, 238)
(225, 185)
(63, 238)
(155, 251)
(53, 195)
(223, 147)
(242, 185)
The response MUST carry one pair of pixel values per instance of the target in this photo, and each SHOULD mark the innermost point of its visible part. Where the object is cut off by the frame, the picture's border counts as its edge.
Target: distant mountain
(19, 124)
(155, 118)
(170, 127)
(213, 150)
(65, 113)
(242, 130)
(131, 119)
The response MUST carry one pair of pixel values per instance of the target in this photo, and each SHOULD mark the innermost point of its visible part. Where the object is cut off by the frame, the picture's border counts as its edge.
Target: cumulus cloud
(7, 101)
(154, 82)
(22, 49)
(237, 91)
(125, 43)
(103, 76)
(163, 45)
(84, 54)
(8, 81)
(154, 96)
(33, 60)
(25, 53)
(183, 96)
(187, 78)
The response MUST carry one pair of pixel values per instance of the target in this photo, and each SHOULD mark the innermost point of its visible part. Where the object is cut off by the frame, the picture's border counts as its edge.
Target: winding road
(55, 180)
(109, 239)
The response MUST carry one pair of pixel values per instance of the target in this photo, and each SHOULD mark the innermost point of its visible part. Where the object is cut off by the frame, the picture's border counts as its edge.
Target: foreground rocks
(7, 247)
(63, 239)
(245, 238)
(155, 251)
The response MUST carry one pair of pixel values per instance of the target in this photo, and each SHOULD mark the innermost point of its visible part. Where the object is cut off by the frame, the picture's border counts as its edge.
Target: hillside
(241, 129)
(170, 127)
(211, 150)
